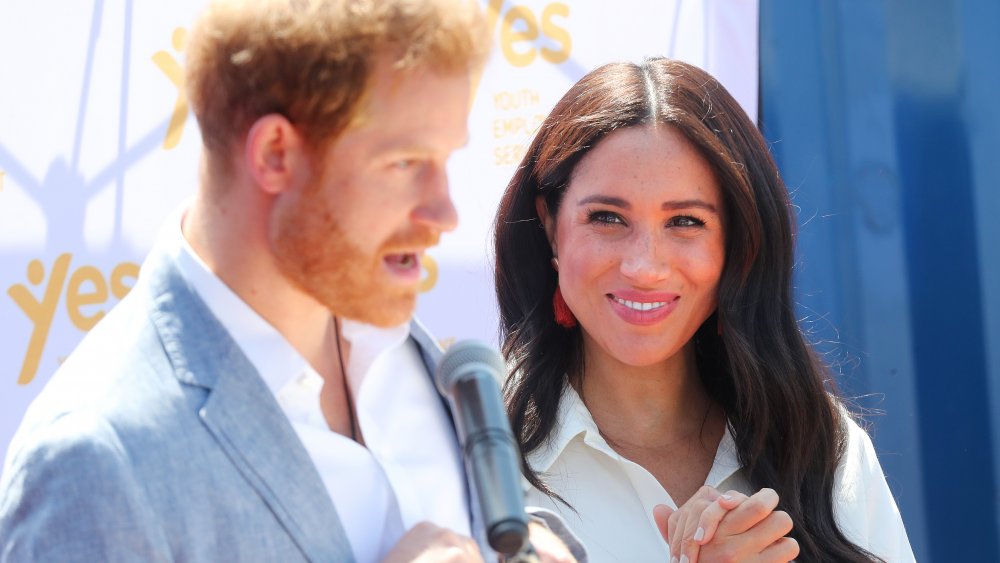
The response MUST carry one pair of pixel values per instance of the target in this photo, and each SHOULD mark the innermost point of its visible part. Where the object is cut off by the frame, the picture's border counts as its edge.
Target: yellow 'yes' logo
(520, 29)
(169, 65)
(431, 267)
(87, 287)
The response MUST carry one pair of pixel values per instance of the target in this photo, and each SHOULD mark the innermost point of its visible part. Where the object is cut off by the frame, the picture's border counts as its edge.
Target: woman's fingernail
(726, 497)
(684, 559)
(699, 534)
(673, 559)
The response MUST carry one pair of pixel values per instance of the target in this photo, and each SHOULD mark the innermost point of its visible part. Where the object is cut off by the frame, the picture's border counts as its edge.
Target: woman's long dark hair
(782, 409)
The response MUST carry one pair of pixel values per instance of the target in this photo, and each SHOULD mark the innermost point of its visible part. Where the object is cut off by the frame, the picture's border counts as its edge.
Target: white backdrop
(97, 147)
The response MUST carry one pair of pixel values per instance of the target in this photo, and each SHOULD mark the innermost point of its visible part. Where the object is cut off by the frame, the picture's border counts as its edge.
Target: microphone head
(465, 356)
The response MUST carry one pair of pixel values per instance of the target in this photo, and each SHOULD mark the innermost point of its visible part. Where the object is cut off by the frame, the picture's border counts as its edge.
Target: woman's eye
(685, 221)
(605, 217)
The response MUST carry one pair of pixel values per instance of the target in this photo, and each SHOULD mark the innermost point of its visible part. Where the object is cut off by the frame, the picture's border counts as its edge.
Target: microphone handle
(526, 555)
(491, 458)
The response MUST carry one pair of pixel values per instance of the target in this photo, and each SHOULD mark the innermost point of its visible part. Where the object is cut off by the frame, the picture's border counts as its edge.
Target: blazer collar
(242, 414)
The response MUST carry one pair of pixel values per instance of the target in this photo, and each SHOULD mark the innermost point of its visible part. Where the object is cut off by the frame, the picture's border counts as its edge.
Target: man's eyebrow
(415, 146)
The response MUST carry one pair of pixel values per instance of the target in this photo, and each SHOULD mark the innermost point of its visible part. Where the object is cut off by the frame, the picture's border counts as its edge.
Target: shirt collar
(574, 420)
(275, 359)
(368, 342)
(727, 462)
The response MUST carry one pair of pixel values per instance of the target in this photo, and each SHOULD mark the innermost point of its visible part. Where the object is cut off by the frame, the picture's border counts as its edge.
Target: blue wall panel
(980, 45)
(930, 71)
(884, 119)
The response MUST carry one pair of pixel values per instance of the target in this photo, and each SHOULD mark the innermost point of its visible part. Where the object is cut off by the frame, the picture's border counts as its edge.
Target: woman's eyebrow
(605, 199)
(687, 204)
(665, 206)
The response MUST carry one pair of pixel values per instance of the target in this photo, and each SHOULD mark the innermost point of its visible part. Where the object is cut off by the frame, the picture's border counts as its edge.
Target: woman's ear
(275, 153)
(548, 222)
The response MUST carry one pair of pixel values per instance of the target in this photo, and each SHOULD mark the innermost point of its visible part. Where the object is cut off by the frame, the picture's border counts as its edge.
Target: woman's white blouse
(613, 498)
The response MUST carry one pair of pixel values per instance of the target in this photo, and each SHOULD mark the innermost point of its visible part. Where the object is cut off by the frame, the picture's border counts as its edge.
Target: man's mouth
(405, 265)
(404, 261)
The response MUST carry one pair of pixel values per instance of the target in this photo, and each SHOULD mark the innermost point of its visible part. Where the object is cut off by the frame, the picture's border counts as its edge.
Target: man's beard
(314, 253)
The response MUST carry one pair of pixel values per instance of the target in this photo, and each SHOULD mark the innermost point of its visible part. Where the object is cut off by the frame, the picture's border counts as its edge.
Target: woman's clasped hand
(727, 527)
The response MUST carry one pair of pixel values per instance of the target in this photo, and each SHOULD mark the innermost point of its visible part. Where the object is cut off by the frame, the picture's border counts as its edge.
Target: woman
(643, 270)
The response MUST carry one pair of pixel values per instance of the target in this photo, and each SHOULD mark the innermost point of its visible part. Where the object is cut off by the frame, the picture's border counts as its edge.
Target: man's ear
(548, 222)
(275, 153)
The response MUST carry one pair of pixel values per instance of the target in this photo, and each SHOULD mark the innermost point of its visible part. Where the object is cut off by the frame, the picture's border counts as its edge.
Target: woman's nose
(646, 260)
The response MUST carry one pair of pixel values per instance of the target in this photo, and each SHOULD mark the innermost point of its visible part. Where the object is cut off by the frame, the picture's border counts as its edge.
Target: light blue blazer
(158, 441)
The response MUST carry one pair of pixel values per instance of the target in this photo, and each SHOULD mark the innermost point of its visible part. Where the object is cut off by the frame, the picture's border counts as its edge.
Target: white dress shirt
(410, 470)
(614, 498)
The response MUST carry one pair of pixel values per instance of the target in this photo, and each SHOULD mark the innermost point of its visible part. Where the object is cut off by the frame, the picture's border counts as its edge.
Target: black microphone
(468, 375)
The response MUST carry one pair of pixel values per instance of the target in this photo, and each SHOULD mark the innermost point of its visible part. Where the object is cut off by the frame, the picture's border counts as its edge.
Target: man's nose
(436, 210)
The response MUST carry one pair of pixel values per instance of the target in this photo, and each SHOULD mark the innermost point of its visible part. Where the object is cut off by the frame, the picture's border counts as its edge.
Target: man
(261, 394)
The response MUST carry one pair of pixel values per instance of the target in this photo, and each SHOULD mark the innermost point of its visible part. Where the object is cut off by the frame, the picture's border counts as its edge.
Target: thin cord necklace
(343, 379)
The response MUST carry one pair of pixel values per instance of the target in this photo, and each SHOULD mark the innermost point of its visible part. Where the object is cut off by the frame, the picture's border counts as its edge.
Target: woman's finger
(689, 547)
(749, 513)
(700, 531)
(714, 513)
(676, 523)
(781, 551)
(766, 532)
(683, 529)
(661, 515)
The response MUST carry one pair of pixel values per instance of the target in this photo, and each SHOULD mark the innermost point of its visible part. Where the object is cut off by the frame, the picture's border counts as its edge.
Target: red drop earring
(564, 317)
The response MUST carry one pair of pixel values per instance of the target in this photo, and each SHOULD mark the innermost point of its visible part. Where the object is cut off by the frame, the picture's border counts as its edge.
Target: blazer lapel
(243, 415)
(431, 354)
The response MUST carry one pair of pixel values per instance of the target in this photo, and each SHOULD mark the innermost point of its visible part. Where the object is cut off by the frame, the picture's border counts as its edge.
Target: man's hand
(548, 546)
(427, 543)
(732, 527)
